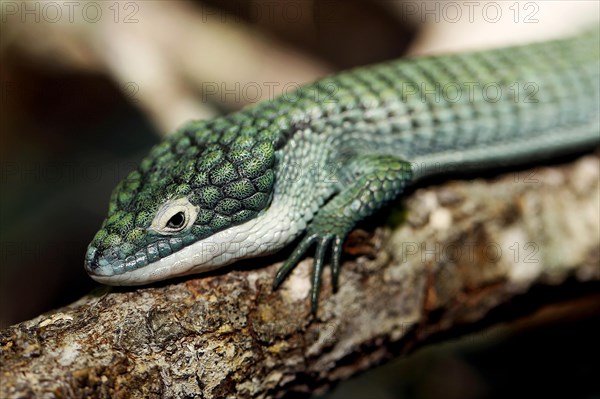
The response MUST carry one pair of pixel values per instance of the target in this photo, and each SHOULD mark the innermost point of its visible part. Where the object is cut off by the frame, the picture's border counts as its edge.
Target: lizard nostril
(94, 260)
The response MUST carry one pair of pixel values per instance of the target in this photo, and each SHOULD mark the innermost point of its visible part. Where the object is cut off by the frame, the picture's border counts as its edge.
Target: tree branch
(464, 248)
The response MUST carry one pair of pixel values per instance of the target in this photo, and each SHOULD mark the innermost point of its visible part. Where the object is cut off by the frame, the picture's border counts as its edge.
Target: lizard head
(203, 180)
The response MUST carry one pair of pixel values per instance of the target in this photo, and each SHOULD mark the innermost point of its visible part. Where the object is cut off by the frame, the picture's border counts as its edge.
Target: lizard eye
(174, 216)
(177, 221)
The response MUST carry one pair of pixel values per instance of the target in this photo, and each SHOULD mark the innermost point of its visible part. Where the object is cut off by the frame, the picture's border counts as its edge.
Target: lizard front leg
(369, 182)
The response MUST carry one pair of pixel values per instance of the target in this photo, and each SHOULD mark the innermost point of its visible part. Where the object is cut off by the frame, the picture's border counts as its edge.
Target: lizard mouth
(109, 262)
(160, 260)
(107, 268)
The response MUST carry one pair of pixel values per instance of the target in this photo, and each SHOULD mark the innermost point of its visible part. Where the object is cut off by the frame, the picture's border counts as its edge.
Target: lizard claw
(323, 241)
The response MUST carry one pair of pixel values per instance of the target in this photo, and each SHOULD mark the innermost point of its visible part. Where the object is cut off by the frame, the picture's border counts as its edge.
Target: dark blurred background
(82, 99)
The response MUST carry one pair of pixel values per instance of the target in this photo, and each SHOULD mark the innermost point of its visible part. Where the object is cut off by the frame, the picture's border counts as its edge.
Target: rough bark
(448, 255)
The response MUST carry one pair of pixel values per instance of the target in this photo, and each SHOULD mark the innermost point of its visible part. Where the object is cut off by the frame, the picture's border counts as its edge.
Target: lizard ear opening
(174, 216)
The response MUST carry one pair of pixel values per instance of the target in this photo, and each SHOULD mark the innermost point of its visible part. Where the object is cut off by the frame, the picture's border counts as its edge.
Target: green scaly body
(317, 161)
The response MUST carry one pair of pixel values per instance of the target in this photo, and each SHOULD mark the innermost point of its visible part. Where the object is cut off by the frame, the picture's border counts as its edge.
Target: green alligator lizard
(314, 162)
